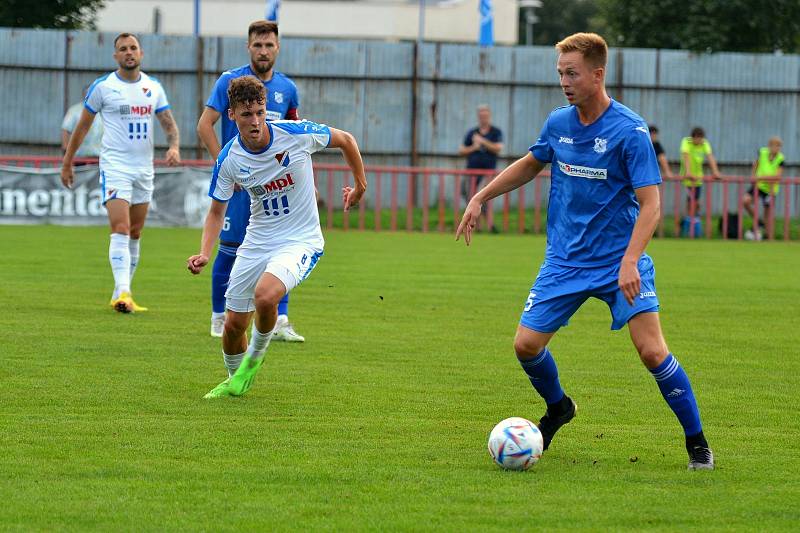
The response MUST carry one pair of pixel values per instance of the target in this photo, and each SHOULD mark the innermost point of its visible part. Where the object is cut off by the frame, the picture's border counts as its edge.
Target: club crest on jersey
(282, 159)
(278, 97)
(600, 145)
(147, 92)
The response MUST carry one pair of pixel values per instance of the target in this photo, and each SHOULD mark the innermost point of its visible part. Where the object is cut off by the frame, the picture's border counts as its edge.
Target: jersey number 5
(529, 301)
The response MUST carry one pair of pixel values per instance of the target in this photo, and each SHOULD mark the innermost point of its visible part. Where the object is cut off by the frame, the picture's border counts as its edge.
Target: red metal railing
(432, 200)
(716, 198)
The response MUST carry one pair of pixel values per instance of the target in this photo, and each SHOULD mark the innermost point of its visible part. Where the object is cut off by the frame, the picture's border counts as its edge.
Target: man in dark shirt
(661, 155)
(481, 146)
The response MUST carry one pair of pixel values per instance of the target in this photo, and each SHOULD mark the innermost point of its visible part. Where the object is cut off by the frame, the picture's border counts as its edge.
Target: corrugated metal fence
(410, 105)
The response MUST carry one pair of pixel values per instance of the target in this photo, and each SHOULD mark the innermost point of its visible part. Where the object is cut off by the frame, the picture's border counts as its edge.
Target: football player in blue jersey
(263, 46)
(604, 206)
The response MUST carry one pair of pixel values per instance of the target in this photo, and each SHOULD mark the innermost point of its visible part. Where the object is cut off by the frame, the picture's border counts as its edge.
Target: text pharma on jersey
(583, 172)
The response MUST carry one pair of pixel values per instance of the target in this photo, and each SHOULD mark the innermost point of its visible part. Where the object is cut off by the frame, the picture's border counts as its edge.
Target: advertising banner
(35, 196)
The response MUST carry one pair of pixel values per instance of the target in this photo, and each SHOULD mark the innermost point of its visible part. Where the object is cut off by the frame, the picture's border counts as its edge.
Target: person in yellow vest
(694, 151)
(768, 169)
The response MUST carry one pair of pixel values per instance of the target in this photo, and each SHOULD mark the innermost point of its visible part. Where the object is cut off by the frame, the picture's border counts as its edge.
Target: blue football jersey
(595, 169)
(281, 97)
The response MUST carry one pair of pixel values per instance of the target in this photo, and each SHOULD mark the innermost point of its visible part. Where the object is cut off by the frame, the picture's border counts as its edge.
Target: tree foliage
(557, 19)
(704, 25)
(62, 14)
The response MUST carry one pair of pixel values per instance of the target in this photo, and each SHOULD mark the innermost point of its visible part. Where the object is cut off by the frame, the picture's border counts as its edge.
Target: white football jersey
(127, 110)
(280, 182)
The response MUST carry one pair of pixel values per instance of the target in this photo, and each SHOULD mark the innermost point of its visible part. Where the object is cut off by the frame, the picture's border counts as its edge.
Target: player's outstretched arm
(352, 156)
(211, 229)
(205, 130)
(170, 128)
(75, 140)
(649, 213)
(514, 176)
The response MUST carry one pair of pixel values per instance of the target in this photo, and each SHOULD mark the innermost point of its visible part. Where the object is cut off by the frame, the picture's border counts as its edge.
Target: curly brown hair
(245, 91)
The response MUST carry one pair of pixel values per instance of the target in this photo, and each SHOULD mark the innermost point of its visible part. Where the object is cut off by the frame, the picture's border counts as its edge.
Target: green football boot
(220, 391)
(242, 380)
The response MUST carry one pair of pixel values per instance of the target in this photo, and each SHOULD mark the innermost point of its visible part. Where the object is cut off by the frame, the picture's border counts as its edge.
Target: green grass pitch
(379, 421)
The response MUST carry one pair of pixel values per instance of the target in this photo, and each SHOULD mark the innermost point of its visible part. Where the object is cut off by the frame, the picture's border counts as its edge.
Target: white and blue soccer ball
(515, 444)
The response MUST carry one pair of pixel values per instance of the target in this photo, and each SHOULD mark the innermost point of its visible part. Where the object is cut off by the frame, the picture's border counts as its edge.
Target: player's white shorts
(133, 186)
(290, 263)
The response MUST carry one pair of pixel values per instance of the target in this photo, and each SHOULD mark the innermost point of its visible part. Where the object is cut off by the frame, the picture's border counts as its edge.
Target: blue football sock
(283, 305)
(677, 391)
(543, 373)
(220, 275)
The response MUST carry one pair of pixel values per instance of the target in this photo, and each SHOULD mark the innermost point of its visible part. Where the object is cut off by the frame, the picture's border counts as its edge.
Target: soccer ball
(515, 444)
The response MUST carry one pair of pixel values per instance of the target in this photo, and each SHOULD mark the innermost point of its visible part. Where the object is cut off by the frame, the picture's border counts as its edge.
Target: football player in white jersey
(272, 162)
(126, 99)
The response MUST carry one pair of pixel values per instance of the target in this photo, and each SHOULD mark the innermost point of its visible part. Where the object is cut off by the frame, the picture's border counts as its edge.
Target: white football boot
(217, 325)
(285, 332)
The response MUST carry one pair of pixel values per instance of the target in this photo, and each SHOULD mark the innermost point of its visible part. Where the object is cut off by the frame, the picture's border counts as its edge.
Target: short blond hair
(592, 47)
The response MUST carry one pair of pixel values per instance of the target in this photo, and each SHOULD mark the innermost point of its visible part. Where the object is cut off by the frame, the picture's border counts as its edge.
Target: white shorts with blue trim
(135, 186)
(290, 263)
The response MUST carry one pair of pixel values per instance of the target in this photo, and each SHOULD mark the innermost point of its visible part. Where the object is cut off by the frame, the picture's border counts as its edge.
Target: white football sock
(133, 247)
(217, 315)
(258, 343)
(232, 362)
(120, 258)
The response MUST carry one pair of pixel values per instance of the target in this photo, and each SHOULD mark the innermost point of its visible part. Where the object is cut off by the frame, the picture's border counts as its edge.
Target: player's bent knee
(267, 298)
(652, 355)
(268, 293)
(528, 346)
(235, 324)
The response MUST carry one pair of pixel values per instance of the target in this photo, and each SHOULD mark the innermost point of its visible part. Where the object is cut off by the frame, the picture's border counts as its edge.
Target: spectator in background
(481, 146)
(94, 139)
(694, 151)
(661, 155)
(768, 167)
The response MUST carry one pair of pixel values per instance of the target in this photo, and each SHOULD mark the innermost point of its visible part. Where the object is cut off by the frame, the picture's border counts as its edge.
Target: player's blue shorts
(237, 216)
(559, 291)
